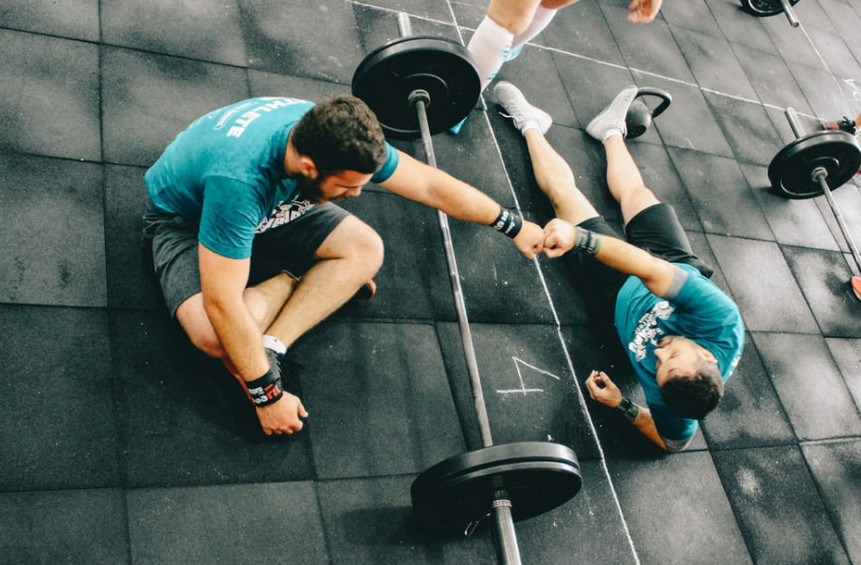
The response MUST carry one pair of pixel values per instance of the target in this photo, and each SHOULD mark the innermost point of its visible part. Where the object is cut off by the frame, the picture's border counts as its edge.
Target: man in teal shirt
(250, 250)
(682, 334)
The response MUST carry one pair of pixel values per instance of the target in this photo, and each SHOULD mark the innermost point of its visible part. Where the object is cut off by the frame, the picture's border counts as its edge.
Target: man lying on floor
(682, 334)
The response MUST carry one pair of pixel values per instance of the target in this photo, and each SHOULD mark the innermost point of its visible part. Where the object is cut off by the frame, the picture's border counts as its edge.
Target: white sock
(487, 47)
(275, 344)
(610, 133)
(540, 20)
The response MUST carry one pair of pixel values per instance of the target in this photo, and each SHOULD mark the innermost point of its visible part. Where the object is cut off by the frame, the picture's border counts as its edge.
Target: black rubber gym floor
(121, 444)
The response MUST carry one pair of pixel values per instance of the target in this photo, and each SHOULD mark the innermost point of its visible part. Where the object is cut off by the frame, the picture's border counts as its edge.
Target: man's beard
(311, 189)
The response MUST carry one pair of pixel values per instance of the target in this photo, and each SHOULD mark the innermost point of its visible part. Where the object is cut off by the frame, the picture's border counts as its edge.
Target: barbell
(817, 164)
(764, 8)
(419, 85)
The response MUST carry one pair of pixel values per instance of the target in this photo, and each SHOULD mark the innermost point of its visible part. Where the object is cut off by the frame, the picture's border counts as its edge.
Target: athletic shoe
(525, 115)
(612, 118)
(844, 124)
(511, 54)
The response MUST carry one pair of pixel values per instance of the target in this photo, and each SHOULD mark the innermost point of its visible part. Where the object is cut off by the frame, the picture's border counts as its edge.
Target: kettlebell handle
(666, 99)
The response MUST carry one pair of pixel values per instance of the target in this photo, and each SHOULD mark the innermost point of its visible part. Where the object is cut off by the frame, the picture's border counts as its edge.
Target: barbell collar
(790, 14)
(417, 95)
(792, 117)
(819, 174)
(507, 549)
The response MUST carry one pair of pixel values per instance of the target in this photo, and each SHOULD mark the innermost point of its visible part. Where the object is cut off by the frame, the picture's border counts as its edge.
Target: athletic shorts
(657, 230)
(170, 242)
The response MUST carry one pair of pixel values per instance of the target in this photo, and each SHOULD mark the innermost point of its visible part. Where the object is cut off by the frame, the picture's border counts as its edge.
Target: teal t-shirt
(226, 172)
(701, 312)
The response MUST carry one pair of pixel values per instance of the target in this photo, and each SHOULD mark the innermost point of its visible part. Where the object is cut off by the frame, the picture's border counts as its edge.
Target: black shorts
(170, 243)
(657, 230)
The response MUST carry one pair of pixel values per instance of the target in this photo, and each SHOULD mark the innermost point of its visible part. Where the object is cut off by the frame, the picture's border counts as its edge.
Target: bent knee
(194, 321)
(515, 16)
(354, 239)
(209, 344)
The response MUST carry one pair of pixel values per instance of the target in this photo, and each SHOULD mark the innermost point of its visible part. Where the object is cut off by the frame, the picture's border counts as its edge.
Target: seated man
(682, 335)
(245, 195)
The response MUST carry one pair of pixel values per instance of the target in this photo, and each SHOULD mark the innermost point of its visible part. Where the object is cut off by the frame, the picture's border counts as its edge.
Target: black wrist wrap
(508, 222)
(629, 409)
(587, 241)
(266, 389)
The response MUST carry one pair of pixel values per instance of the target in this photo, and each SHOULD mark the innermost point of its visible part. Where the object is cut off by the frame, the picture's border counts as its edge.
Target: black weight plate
(763, 8)
(537, 476)
(791, 170)
(444, 68)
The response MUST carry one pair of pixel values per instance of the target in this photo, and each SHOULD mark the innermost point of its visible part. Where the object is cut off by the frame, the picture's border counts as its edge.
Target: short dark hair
(697, 395)
(341, 134)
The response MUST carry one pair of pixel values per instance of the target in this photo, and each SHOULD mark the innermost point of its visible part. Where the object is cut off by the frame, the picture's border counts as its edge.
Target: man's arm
(661, 277)
(433, 187)
(605, 391)
(223, 283)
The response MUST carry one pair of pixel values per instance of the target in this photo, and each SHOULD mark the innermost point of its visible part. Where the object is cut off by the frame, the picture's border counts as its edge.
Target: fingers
(282, 417)
(643, 11)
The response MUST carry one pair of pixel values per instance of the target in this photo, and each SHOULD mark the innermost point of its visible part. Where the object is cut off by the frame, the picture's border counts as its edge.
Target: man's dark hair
(694, 396)
(341, 134)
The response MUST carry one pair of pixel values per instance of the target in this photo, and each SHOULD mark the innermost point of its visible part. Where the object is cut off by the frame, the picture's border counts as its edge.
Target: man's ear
(708, 355)
(307, 167)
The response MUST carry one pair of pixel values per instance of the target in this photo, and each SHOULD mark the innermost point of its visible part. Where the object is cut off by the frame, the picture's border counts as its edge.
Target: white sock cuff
(275, 344)
(487, 48)
(610, 133)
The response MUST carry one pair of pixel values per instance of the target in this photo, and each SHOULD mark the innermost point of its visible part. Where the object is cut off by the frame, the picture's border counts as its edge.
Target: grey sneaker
(525, 115)
(613, 116)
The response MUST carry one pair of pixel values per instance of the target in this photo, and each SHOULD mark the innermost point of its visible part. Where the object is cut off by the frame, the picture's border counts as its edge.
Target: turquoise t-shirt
(701, 312)
(226, 171)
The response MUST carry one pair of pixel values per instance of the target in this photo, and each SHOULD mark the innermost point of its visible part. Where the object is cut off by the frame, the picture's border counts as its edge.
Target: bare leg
(556, 180)
(352, 254)
(263, 301)
(624, 179)
(285, 309)
(513, 15)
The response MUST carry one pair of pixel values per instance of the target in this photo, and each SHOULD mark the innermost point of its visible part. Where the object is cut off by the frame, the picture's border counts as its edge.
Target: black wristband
(266, 389)
(508, 222)
(629, 409)
(587, 241)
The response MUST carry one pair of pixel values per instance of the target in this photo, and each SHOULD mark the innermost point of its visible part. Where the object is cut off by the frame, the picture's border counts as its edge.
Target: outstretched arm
(661, 277)
(431, 186)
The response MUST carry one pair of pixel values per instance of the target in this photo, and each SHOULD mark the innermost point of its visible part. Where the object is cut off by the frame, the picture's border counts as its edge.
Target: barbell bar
(419, 86)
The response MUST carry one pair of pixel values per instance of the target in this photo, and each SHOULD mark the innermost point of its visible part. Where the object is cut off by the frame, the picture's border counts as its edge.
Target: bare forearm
(655, 273)
(460, 200)
(646, 425)
(239, 335)
(434, 187)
